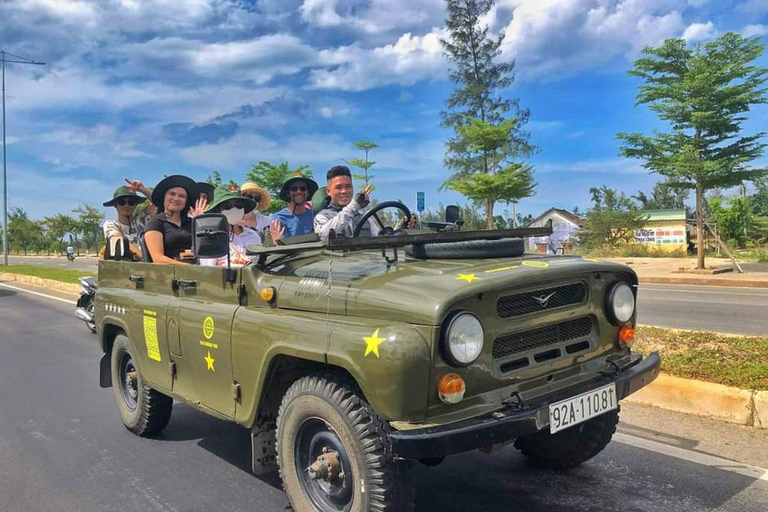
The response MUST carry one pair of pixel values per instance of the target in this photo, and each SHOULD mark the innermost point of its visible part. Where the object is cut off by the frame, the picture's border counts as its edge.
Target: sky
(140, 89)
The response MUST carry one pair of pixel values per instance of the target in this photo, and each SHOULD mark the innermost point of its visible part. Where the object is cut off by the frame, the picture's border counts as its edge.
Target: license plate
(581, 408)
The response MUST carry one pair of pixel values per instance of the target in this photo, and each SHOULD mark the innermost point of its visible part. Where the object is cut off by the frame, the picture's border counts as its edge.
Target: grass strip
(65, 275)
(740, 361)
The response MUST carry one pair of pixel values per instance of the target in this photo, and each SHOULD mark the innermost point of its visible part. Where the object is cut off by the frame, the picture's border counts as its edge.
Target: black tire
(143, 410)
(318, 413)
(569, 448)
(470, 249)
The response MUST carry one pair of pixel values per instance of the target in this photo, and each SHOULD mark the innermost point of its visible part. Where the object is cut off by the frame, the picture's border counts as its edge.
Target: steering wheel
(384, 230)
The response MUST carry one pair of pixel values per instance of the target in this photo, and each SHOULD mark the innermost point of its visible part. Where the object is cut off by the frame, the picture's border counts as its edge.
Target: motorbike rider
(70, 253)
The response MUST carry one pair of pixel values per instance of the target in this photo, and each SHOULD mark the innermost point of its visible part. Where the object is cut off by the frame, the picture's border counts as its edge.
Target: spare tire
(470, 249)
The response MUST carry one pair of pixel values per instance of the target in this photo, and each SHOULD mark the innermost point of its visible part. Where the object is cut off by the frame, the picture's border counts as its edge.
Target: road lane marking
(39, 294)
(701, 292)
(696, 457)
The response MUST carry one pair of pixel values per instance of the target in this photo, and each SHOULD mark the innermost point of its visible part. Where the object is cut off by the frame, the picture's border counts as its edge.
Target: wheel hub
(132, 384)
(327, 467)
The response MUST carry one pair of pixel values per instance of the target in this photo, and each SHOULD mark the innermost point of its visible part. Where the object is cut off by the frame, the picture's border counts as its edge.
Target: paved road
(707, 308)
(80, 263)
(63, 448)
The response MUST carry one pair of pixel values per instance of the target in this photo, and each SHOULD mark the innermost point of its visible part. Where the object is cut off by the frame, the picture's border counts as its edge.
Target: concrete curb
(39, 281)
(725, 403)
(704, 281)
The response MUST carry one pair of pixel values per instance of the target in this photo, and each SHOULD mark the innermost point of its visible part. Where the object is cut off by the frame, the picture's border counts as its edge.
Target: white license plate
(581, 408)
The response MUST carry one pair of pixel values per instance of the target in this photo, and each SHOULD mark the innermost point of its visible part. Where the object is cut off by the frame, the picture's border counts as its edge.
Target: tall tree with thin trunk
(480, 75)
(703, 93)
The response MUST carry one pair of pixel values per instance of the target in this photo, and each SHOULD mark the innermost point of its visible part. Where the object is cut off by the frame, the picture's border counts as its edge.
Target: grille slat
(541, 300)
(511, 344)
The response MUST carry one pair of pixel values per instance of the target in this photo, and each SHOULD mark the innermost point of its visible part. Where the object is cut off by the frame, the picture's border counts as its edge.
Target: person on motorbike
(70, 253)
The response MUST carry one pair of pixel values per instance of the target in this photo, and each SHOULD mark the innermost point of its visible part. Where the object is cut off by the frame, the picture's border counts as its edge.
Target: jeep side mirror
(210, 235)
(453, 215)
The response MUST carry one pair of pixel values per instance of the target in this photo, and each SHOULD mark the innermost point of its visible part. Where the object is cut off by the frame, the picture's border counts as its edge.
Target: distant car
(350, 359)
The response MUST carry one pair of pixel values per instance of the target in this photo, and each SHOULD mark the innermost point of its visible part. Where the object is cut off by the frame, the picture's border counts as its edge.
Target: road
(63, 448)
(706, 308)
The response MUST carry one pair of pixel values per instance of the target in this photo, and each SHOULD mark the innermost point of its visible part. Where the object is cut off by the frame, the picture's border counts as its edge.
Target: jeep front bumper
(513, 422)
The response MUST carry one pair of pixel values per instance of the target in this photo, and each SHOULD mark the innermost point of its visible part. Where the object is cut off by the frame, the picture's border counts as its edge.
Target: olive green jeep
(349, 359)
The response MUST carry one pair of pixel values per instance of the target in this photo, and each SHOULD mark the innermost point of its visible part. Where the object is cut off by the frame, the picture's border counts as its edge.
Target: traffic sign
(420, 201)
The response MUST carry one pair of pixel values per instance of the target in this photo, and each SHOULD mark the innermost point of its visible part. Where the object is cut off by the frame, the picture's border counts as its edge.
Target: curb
(725, 403)
(704, 281)
(39, 281)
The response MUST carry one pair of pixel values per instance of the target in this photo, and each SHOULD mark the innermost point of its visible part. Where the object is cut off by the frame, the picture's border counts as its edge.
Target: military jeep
(353, 358)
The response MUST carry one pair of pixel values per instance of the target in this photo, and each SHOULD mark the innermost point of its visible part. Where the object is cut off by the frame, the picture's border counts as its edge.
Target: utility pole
(10, 58)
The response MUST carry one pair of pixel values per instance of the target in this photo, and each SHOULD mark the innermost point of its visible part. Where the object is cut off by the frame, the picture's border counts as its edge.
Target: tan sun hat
(264, 200)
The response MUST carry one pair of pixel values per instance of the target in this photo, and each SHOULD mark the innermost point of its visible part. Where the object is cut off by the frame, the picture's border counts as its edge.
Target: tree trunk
(489, 213)
(699, 227)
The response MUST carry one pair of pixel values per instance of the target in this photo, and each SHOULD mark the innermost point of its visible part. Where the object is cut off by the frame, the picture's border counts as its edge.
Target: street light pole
(17, 60)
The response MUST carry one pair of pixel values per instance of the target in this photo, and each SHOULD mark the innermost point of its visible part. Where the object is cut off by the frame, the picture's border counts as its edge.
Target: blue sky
(144, 88)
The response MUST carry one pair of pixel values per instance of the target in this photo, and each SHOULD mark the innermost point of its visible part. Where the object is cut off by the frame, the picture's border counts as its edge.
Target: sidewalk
(680, 271)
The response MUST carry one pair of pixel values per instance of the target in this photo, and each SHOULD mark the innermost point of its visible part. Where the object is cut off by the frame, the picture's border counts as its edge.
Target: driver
(344, 211)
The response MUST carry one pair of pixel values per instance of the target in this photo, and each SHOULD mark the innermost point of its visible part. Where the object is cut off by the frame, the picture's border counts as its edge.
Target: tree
(361, 163)
(703, 93)
(733, 217)
(23, 233)
(476, 108)
(663, 197)
(58, 226)
(523, 221)
(504, 180)
(611, 222)
(89, 225)
(272, 176)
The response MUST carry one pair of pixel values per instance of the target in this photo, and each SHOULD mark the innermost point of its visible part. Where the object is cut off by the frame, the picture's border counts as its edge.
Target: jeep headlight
(620, 304)
(463, 339)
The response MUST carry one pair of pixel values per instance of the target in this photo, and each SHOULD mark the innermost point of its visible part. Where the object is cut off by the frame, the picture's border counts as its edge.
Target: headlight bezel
(445, 345)
(610, 310)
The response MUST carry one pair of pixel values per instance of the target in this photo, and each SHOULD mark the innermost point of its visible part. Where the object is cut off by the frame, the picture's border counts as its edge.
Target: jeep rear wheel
(334, 453)
(569, 448)
(143, 410)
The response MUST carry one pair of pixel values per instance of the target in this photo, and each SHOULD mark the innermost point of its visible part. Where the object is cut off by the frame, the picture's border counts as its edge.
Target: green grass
(63, 275)
(740, 361)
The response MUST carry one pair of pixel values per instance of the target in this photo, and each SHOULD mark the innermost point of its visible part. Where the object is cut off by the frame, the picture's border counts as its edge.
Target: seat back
(145, 256)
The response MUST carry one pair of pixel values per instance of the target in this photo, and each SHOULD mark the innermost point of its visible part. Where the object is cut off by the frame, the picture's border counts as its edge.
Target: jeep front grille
(541, 300)
(544, 337)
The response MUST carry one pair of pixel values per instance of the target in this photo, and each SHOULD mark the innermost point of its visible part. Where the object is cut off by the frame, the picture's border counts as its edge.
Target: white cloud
(754, 30)
(373, 16)
(696, 32)
(754, 7)
(599, 166)
(407, 61)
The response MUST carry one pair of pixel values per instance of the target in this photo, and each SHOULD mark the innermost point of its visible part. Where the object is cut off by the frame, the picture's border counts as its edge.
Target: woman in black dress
(169, 233)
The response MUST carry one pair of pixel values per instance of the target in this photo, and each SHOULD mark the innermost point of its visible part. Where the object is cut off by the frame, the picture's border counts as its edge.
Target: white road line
(39, 294)
(696, 457)
(764, 295)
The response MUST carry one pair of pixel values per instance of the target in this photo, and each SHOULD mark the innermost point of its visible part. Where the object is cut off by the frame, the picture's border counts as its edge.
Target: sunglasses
(236, 204)
(129, 202)
(299, 188)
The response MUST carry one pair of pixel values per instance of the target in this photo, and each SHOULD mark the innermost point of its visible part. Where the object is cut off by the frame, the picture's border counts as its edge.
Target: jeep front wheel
(570, 447)
(333, 451)
(143, 410)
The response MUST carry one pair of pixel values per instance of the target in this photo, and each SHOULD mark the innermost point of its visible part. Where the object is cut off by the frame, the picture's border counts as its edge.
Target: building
(564, 225)
(664, 229)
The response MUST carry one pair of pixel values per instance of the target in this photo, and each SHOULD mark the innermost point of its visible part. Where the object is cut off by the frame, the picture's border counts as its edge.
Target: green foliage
(504, 181)
(611, 222)
(215, 179)
(663, 197)
(703, 93)
(272, 176)
(89, 223)
(484, 141)
(56, 228)
(363, 163)
(733, 217)
(24, 234)
(470, 214)
(57, 274)
(524, 221)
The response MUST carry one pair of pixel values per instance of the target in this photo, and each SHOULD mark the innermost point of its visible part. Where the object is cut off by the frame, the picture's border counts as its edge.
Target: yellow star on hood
(209, 361)
(372, 343)
(467, 277)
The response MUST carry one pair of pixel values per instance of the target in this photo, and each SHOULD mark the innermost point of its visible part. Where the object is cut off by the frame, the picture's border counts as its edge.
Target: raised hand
(199, 208)
(277, 230)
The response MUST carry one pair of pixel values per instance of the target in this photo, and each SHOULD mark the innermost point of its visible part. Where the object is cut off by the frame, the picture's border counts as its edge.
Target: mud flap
(105, 371)
(263, 452)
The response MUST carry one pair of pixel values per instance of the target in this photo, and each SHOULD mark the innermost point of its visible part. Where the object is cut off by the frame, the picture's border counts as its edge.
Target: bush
(639, 251)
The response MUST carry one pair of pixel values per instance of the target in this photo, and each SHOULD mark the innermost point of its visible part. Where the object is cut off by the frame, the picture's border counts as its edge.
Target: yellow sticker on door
(150, 335)
(208, 327)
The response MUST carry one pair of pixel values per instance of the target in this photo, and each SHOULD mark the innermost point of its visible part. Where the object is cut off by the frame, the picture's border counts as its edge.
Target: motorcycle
(70, 257)
(84, 309)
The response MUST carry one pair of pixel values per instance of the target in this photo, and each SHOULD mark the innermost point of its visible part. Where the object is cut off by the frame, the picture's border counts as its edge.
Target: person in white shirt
(234, 207)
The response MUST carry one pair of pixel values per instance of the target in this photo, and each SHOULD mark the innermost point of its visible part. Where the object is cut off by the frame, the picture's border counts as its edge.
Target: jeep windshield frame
(396, 241)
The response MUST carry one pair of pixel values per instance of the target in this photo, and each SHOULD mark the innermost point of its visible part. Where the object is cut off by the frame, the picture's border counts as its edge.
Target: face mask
(234, 215)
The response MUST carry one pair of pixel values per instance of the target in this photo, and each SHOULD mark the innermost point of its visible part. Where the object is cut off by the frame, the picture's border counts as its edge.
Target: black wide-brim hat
(206, 188)
(311, 187)
(175, 180)
(124, 192)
